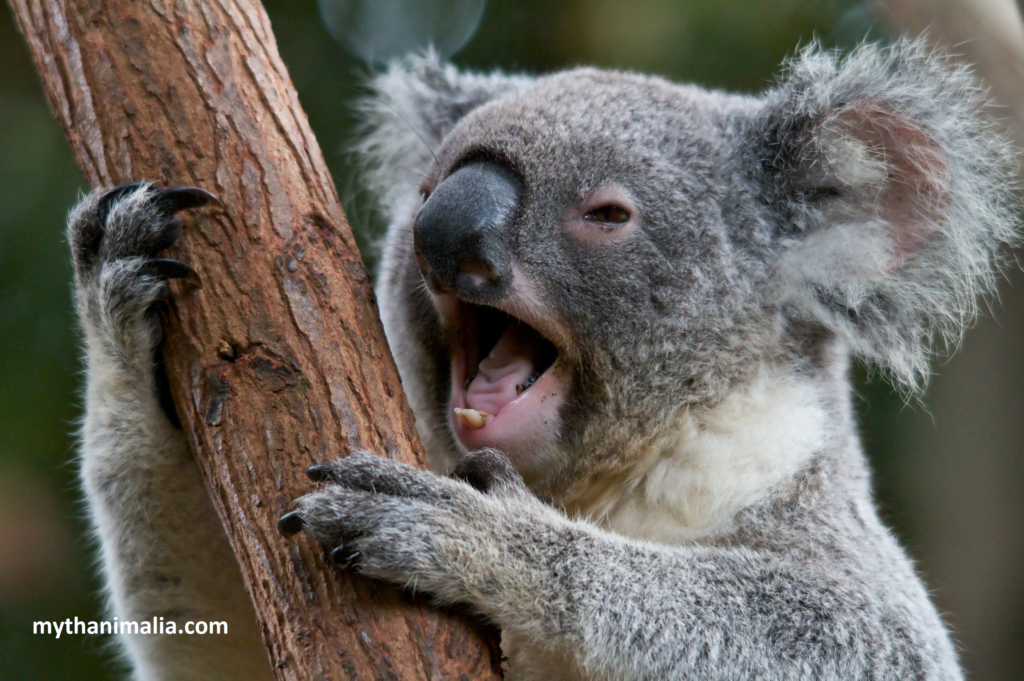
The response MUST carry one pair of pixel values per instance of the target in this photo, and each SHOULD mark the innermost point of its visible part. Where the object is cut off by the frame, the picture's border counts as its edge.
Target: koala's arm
(163, 550)
(613, 607)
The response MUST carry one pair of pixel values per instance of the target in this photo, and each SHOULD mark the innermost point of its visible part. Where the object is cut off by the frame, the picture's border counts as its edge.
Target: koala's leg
(164, 552)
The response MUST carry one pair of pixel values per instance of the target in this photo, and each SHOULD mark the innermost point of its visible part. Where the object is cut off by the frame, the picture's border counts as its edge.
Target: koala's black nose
(461, 232)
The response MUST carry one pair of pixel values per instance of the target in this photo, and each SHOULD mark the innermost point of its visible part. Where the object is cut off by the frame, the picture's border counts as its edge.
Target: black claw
(113, 196)
(170, 234)
(319, 473)
(173, 269)
(290, 523)
(171, 201)
(344, 558)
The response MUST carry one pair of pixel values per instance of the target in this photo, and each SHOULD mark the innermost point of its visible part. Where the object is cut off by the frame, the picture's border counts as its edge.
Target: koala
(624, 312)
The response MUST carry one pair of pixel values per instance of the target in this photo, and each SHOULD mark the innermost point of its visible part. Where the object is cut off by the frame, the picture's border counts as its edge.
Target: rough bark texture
(279, 361)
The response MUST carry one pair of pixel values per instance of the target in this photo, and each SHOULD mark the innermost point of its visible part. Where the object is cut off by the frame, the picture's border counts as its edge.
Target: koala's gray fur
(713, 514)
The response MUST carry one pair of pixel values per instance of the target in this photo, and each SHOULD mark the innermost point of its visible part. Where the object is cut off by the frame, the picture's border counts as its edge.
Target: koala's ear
(412, 107)
(892, 192)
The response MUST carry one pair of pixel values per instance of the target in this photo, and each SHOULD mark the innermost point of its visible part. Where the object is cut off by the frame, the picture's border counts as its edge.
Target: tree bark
(279, 361)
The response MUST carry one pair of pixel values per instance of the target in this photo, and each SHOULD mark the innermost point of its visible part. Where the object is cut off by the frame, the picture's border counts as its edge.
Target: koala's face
(576, 252)
(591, 253)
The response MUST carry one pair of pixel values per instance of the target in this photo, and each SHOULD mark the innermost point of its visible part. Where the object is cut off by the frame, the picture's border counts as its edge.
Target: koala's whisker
(418, 173)
(400, 181)
(412, 128)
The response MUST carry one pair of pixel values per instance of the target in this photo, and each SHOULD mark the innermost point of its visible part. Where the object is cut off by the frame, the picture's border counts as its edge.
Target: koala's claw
(167, 236)
(112, 196)
(291, 523)
(344, 557)
(173, 269)
(177, 199)
(319, 473)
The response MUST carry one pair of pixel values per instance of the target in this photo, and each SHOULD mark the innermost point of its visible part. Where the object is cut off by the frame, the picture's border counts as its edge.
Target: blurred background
(949, 469)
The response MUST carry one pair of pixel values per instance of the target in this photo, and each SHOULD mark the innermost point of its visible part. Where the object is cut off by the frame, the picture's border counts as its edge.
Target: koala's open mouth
(502, 379)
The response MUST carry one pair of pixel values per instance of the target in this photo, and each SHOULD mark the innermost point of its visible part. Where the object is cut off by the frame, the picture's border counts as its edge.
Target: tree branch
(280, 360)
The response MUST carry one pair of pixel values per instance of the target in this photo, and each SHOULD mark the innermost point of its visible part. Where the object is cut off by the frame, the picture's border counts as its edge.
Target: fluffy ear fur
(414, 104)
(894, 192)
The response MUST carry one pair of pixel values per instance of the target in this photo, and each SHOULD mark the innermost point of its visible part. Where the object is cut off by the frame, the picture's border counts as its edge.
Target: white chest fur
(715, 463)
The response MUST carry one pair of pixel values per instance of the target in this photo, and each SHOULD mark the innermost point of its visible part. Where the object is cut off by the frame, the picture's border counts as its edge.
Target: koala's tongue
(511, 363)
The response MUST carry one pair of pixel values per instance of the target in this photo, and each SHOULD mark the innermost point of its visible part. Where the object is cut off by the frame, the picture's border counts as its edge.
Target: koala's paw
(442, 536)
(115, 236)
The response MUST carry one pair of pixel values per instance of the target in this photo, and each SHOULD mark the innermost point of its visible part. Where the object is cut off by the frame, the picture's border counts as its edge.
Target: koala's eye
(424, 194)
(609, 215)
(606, 214)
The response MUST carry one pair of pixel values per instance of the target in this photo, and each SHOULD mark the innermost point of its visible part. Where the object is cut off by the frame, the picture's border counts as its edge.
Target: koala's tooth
(471, 418)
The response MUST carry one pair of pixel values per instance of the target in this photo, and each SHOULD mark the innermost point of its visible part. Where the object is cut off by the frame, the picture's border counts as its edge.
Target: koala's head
(572, 260)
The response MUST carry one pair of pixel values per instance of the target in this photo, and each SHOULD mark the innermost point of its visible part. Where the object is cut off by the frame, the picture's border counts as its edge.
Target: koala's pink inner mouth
(502, 357)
